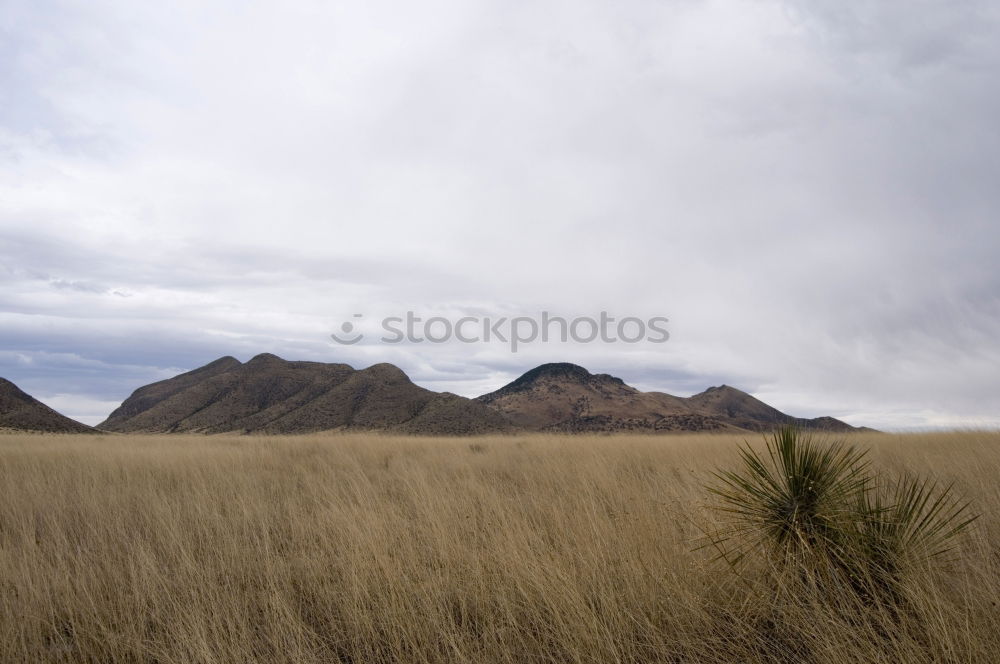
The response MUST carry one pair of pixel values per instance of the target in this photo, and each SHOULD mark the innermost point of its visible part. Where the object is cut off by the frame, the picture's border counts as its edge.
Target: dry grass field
(392, 549)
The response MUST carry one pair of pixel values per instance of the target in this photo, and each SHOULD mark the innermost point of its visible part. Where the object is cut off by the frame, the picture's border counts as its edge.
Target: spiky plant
(905, 522)
(794, 502)
(818, 508)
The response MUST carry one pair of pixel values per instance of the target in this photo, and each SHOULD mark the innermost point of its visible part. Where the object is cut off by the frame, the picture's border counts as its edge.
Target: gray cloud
(807, 190)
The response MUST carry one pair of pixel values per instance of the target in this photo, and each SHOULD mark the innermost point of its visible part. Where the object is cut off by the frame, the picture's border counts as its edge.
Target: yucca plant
(794, 502)
(905, 522)
(817, 507)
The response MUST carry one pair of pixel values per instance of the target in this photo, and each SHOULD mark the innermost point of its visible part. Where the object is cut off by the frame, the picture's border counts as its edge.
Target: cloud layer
(807, 190)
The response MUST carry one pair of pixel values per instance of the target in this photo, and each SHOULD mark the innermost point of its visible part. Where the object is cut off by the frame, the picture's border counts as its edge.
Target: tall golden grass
(365, 548)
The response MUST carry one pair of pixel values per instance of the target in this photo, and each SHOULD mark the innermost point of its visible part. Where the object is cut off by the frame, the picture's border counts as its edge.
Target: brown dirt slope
(22, 412)
(567, 397)
(272, 395)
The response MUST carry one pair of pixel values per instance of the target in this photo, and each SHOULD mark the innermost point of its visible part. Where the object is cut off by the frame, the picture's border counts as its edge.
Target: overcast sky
(809, 191)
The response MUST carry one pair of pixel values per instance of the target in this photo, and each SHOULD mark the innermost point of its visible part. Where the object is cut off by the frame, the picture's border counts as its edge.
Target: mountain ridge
(268, 394)
(567, 397)
(19, 411)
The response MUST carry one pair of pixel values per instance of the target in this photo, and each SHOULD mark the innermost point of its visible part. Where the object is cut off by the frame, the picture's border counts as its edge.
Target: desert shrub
(817, 512)
(902, 523)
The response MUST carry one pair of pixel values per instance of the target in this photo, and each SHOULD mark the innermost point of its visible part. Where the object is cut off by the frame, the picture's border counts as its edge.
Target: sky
(808, 191)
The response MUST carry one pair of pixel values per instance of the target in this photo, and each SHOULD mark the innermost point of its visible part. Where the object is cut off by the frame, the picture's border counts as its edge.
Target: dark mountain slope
(20, 411)
(567, 397)
(747, 412)
(272, 395)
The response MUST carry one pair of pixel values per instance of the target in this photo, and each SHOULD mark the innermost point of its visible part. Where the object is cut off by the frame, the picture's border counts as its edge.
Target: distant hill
(567, 397)
(22, 412)
(270, 395)
(744, 411)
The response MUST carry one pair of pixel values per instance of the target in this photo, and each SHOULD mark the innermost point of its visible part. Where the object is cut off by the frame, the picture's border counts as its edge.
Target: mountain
(22, 412)
(270, 395)
(567, 397)
(747, 412)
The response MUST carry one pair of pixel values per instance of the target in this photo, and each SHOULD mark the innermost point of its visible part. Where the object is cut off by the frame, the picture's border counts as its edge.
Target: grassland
(393, 549)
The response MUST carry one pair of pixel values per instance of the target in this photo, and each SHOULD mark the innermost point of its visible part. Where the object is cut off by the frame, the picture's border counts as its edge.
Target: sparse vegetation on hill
(179, 549)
